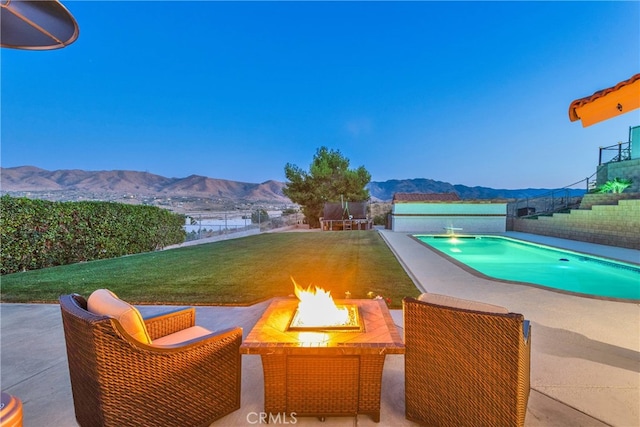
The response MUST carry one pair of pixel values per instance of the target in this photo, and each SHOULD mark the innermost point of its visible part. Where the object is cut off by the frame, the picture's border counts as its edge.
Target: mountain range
(91, 184)
(384, 190)
(140, 184)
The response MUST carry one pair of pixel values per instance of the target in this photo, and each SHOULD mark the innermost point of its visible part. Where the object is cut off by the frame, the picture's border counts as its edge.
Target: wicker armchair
(117, 380)
(466, 363)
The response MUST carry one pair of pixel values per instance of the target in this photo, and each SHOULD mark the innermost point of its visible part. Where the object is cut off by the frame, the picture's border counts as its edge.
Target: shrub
(259, 216)
(381, 219)
(39, 233)
(617, 185)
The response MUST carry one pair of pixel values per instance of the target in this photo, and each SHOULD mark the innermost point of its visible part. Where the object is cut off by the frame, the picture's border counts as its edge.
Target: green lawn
(239, 271)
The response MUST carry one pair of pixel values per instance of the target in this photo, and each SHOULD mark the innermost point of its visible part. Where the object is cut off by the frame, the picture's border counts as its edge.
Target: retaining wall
(613, 225)
(591, 199)
(628, 169)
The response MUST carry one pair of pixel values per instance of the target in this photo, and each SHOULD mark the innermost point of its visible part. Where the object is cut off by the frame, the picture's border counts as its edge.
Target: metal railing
(209, 231)
(203, 228)
(553, 201)
(618, 152)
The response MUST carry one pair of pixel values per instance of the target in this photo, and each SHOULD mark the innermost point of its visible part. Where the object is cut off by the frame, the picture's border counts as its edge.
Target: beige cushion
(454, 302)
(181, 336)
(105, 303)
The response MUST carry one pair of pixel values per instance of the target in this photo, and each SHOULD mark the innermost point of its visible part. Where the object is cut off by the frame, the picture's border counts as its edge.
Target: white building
(442, 213)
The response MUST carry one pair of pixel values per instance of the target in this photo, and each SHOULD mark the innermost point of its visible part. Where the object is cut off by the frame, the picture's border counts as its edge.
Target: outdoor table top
(271, 334)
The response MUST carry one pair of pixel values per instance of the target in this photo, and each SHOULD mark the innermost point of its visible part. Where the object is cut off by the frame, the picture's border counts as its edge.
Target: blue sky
(473, 93)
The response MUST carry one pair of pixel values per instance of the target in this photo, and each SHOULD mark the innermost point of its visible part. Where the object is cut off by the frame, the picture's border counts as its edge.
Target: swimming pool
(518, 261)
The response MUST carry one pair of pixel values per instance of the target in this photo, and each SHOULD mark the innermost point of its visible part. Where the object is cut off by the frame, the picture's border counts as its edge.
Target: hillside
(88, 185)
(384, 190)
(132, 185)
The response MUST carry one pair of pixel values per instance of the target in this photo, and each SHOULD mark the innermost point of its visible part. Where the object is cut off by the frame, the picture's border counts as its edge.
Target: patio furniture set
(466, 363)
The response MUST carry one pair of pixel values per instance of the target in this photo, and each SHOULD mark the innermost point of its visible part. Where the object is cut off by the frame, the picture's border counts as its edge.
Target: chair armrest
(170, 322)
(228, 338)
(220, 336)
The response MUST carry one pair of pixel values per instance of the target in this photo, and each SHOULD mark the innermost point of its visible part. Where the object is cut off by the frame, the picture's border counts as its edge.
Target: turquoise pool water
(518, 261)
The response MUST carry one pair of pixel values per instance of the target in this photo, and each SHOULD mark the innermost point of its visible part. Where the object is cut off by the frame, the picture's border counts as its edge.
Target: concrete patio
(585, 361)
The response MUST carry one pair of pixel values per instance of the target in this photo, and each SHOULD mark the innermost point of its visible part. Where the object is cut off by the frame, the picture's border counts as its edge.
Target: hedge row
(38, 233)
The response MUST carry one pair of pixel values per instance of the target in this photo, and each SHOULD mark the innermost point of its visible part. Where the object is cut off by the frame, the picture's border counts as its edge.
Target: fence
(213, 230)
(204, 227)
(564, 198)
(615, 153)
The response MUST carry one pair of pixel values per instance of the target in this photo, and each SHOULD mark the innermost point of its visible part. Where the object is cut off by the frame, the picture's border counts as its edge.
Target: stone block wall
(628, 169)
(589, 200)
(613, 225)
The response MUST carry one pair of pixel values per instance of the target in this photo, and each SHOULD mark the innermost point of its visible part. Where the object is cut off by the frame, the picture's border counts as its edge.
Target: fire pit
(351, 323)
(323, 370)
(317, 311)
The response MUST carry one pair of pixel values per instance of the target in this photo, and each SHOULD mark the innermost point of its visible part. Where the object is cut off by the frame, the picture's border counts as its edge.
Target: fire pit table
(325, 371)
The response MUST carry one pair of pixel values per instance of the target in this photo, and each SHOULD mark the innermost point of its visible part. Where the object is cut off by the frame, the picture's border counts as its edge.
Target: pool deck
(585, 360)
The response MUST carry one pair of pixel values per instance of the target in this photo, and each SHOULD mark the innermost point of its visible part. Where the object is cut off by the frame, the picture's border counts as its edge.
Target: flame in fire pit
(317, 308)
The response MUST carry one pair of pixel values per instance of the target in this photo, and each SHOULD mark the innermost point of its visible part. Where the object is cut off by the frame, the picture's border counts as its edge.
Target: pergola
(607, 103)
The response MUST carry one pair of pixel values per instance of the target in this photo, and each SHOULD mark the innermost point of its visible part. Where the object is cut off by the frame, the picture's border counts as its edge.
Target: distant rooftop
(425, 197)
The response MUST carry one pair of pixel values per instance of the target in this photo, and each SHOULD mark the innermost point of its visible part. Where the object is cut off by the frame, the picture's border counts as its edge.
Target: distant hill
(139, 184)
(98, 184)
(384, 190)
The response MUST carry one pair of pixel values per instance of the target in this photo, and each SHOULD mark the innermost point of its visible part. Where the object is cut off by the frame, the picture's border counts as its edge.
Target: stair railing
(553, 201)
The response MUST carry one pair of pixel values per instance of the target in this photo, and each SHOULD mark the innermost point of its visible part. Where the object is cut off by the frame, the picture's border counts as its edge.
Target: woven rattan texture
(323, 385)
(465, 368)
(168, 323)
(117, 381)
(370, 384)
